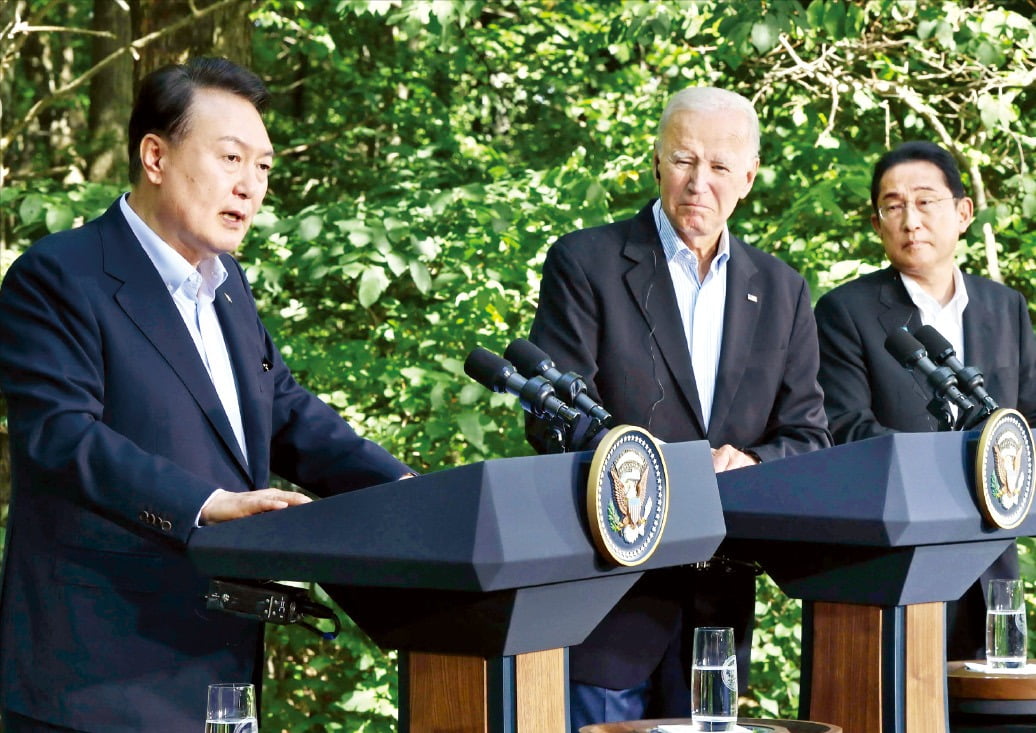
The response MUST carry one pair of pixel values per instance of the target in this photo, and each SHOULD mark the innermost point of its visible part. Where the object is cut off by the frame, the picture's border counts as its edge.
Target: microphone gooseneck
(970, 379)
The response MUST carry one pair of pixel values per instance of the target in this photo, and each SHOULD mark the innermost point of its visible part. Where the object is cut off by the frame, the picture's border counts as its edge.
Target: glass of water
(231, 708)
(1005, 625)
(714, 680)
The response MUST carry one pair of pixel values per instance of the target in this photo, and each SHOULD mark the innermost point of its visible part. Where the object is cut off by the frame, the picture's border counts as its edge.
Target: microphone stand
(939, 407)
(556, 438)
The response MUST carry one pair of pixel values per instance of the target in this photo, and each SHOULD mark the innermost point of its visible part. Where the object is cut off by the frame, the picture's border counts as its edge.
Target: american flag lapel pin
(753, 298)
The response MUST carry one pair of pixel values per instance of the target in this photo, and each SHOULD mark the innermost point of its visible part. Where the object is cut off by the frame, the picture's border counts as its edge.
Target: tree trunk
(226, 32)
(111, 94)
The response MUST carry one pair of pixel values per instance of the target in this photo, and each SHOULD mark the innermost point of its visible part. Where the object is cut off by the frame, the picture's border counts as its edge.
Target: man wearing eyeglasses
(920, 211)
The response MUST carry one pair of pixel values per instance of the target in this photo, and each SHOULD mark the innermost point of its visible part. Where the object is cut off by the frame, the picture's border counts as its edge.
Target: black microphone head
(528, 358)
(488, 369)
(934, 343)
(904, 348)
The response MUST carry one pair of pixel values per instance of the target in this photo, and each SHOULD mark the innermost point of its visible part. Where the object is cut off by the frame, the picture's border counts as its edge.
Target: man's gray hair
(711, 99)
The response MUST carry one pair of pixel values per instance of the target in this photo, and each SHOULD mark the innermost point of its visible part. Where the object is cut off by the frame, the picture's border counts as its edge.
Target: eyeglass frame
(883, 213)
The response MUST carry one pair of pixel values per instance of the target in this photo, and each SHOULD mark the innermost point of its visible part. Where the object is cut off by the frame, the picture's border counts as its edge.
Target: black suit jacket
(117, 439)
(608, 312)
(867, 392)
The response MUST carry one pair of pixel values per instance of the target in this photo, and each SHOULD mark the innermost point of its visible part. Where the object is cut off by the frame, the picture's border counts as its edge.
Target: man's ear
(152, 157)
(658, 172)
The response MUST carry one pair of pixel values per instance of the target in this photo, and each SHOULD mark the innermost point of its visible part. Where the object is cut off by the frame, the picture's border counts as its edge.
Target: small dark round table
(990, 702)
(757, 725)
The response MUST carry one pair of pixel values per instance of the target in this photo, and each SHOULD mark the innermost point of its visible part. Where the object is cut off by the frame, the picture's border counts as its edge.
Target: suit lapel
(237, 321)
(651, 288)
(898, 311)
(740, 318)
(160, 321)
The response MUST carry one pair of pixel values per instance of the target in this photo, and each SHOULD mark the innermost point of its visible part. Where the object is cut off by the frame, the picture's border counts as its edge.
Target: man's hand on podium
(727, 457)
(225, 505)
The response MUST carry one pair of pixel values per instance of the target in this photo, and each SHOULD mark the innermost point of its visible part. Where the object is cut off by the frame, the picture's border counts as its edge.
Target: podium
(480, 575)
(874, 536)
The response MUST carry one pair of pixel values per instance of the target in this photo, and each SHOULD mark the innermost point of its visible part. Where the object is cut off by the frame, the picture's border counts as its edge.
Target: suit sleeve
(1026, 362)
(52, 372)
(797, 423)
(565, 327)
(843, 375)
(315, 448)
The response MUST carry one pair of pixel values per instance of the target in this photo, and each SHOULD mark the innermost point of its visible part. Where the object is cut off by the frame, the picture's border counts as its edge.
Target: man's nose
(911, 217)
(249, 183)
(697, 178)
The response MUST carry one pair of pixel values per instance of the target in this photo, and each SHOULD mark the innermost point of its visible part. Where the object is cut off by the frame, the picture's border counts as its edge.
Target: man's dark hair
(918, 150)
(164, 99)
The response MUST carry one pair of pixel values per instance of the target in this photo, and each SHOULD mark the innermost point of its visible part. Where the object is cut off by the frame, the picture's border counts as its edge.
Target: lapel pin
(752, 298)
(227, 296)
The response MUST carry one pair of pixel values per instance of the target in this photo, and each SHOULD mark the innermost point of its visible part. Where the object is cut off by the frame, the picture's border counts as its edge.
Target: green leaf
(309, 227)
(59, 217)
(373, 283)
(31, 208)
(834, 20)
(471, 428)
(397, 263)
(421, 277)
(765, 33)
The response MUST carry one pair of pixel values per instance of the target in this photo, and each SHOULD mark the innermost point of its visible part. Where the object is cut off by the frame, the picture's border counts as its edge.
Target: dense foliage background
(430, 150)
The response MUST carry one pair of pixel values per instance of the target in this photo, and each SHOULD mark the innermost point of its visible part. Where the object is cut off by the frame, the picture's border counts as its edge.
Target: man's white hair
(711, 99)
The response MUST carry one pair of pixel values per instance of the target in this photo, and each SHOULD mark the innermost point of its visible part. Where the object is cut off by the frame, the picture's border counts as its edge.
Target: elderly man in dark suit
(920, 211)
(145, 399)
(681, 328)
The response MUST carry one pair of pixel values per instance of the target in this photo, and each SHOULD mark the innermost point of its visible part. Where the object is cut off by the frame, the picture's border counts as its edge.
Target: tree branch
(82, 79)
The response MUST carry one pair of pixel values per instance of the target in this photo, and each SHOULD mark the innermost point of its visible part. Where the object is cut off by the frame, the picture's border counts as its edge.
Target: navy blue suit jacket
(117, 439)
(608, 312)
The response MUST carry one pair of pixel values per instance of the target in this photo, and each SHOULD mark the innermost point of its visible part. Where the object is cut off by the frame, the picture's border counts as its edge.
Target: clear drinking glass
(1005, 625)
(714, 680)
(231, 708)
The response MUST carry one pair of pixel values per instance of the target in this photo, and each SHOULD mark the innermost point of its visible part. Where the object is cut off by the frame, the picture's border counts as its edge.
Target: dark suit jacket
(868, 393)
(608, 312)
(117, 439)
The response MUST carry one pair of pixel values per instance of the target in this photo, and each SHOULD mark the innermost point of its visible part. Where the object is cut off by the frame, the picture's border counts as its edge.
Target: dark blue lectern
(874, 536)
(475, 570)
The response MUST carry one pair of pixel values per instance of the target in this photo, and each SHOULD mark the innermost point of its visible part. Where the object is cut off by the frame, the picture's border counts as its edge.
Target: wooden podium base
(447, 693)
(877, 669)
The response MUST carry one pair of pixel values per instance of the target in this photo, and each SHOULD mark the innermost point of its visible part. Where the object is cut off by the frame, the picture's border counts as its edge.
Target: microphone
(970, 379)
(531, 361)
(536, 395)
(909, 352)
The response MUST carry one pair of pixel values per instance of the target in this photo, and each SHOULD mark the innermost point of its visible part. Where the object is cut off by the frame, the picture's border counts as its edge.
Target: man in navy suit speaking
(146, 399)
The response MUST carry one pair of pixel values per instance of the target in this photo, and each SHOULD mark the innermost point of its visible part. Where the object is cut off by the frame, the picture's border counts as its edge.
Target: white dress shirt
(946, 319)
(193, 291)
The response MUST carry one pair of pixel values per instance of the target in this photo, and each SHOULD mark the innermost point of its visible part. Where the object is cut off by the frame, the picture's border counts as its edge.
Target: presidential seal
(1004, 469)
(627, 498)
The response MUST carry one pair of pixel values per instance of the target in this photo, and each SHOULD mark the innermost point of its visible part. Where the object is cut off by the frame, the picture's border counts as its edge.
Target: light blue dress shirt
(702, 304)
